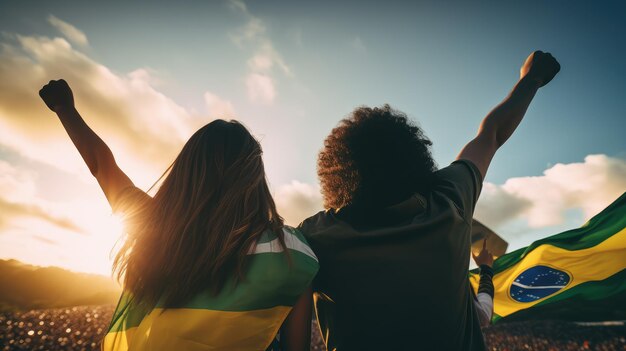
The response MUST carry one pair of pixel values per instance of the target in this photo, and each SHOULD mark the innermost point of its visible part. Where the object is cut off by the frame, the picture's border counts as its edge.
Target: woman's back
(208, 263)
(243, 316)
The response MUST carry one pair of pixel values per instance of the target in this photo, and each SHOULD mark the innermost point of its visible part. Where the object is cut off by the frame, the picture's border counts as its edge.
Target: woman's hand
(484, 257)
(57, 95)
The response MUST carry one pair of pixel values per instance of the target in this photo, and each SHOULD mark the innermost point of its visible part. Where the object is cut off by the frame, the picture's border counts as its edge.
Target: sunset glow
(147, 77)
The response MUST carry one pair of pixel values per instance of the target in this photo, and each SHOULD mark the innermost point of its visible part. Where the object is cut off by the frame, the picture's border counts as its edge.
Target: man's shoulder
(460, 182)
(316, 223)
(460, 168)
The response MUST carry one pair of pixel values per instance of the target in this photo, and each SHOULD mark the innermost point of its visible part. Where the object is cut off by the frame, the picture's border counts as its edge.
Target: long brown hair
(209, 211)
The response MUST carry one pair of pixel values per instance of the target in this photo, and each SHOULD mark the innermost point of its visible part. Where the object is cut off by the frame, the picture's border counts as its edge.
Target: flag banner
(497, 246)
(579, 274)
(243, 316)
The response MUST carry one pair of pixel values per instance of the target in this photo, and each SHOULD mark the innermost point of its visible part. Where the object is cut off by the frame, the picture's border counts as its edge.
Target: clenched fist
(57, 94)
(540, 67)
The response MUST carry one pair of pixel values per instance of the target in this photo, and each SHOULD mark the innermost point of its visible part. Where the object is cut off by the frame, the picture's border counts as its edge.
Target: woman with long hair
(207, 263)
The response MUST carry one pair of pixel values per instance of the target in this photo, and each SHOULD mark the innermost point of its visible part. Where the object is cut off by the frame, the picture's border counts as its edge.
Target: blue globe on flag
(538, 282)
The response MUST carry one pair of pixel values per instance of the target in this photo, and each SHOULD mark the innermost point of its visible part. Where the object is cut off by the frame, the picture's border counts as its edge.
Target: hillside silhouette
(26, 287)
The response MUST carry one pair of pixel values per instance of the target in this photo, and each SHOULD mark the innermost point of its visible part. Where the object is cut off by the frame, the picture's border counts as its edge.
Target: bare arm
(501, 122)
(296, 330)
(58, 97)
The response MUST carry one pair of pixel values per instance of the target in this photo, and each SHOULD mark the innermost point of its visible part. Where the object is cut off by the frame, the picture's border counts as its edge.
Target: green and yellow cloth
(243, 316)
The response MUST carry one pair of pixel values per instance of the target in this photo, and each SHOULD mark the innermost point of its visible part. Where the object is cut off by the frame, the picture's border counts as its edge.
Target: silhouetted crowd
(82, 328)
(555, 336)
(75, 328)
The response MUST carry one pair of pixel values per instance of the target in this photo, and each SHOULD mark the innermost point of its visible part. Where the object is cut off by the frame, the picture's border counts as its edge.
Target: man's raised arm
(501, 122)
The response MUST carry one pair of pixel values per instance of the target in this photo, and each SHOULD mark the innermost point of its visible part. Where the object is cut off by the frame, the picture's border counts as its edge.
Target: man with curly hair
(394, 242)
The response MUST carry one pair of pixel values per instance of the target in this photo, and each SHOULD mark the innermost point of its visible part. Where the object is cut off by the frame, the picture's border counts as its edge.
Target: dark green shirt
(397, 278)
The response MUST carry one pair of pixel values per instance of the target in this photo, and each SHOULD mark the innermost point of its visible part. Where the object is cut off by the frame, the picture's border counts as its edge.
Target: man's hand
(484, 257)
(540, 67)
(57, 94)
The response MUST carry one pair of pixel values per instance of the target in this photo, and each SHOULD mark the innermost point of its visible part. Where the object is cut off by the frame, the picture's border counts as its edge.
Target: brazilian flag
(576, 275)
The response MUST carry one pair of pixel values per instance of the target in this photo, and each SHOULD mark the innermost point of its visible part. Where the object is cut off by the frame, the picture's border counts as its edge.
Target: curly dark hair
(374, 158)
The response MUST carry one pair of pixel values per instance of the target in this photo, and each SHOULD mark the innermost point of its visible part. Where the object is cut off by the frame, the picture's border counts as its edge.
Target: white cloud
(218, 107)
(267, 53)
(18, 200)
(12, 211)
(297, 201)
(496, 206)
(253, 30)
(37, 230)
(260, 88)
(260, 62)
(542, 201)
(69, 31)
(15, 183)
(260, 80)
(239, 5)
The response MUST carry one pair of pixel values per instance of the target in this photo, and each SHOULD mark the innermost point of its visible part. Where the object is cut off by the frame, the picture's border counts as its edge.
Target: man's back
(396, 278)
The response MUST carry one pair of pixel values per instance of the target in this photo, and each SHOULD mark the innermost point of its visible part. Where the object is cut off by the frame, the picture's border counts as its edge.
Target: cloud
(267, 57)
(15, 183)
(17, 200)
(239, 5)
(69, 31)
(260, 62)
(260, 88)
(218, 107)
(497, 206)
(45, 240)
(125, 109)
(253, 30)
(296, 201)
(260, 81)
(38, 227)
(543, 201)
(540, 201)
(10, 210)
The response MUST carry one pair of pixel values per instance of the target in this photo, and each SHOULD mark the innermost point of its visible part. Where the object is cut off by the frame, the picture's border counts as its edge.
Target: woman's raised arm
(59, 98)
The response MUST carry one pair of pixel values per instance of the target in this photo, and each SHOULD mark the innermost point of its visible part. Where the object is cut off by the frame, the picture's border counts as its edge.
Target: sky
(146, 75)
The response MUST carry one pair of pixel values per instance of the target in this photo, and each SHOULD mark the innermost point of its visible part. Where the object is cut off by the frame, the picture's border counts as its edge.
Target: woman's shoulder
(294, 241)
(289, 231)
(303, 263)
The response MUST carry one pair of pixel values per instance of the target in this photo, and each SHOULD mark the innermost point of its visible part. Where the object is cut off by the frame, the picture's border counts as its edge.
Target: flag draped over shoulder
(243, 316)
(579, 274)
